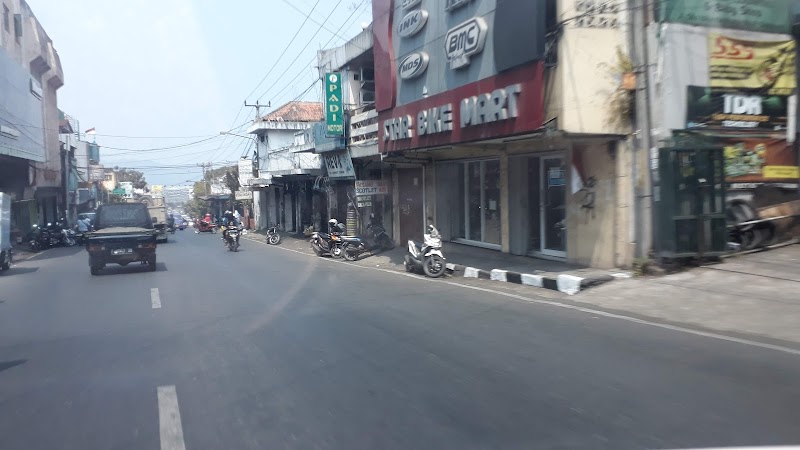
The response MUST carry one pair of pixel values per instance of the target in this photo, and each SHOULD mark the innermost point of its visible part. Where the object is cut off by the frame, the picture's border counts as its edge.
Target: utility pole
(205, 166)
(644, 144)
(256, 153)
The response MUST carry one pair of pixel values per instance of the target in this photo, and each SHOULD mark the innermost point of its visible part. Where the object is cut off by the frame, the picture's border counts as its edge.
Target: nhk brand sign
(334, 116)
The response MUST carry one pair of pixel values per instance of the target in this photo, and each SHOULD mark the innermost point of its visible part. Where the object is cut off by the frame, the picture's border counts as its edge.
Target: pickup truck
(123, 234)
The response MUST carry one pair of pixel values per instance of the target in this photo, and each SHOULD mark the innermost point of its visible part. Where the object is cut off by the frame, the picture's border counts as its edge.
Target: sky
(149, 74)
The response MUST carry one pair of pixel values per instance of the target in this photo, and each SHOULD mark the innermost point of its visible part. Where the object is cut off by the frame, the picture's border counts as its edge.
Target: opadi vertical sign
(334, 116)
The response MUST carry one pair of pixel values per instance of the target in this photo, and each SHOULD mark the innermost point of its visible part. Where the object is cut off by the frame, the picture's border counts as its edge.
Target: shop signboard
(244, 194)
(364, 201)
(245, 172)
(339, 164)
(751, 161)
(372, 187)
(742, 109)
(334, 114)
(96, 172)
(770, 16)
(746, 64)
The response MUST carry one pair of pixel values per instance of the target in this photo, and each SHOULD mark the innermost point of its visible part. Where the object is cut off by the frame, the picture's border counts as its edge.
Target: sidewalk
(472, 262)
(757, 294)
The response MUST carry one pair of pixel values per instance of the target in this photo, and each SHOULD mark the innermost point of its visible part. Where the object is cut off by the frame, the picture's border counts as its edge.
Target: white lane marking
(597, 312)
(169, 419)
(155, 298)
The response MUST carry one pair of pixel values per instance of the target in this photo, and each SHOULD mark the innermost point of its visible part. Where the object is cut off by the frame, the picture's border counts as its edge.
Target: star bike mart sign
(334, 116)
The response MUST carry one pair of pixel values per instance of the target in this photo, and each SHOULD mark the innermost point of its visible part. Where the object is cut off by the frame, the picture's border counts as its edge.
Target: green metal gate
(690, 202)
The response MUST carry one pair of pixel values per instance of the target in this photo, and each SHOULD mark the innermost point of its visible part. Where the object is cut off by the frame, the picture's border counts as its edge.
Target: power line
(285, 49)
(315, 58)
(301, 51)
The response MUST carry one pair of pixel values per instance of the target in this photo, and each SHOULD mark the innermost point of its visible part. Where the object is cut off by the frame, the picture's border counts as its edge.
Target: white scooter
(426, 256)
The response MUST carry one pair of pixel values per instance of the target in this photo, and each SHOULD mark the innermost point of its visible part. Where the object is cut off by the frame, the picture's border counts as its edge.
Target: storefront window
(474, 200)
(491, 202)
(470, 195)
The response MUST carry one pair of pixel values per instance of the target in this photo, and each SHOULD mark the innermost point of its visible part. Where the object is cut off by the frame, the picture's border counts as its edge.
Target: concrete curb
(566, 283)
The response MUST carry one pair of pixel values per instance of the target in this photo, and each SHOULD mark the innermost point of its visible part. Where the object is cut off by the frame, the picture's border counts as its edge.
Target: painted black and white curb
(566, 283)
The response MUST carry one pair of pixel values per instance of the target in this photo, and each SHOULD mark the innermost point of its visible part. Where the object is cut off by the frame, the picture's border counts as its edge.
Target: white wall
(584, 81)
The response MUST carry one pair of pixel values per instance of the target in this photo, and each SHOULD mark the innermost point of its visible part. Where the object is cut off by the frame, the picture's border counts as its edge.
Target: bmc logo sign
(464, 41)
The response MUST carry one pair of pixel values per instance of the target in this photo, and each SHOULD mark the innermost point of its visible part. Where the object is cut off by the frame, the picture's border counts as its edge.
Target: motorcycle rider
(228, 220)
(335, 227)
(170, 222)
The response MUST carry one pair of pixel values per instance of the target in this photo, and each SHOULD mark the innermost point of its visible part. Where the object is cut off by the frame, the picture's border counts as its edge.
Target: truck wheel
(151, 263)
(5, 267)
(95, 270)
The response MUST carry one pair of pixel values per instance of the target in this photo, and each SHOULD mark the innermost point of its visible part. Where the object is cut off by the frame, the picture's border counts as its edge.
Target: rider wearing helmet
(228, 220)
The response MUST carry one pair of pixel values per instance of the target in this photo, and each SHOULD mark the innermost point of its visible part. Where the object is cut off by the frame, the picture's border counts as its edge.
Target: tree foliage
(132, 176)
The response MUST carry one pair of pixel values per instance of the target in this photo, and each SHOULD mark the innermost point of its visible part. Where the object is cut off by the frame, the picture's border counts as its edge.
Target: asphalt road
(267, 348)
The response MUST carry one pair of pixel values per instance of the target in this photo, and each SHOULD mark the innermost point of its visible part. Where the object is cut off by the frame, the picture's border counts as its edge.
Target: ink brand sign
(334, 116)
(464, 41)
(412, 23)
(717, 108)
(413, 65)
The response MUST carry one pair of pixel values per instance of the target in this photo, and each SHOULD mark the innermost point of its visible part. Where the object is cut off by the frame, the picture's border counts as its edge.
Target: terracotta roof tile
(296, 112)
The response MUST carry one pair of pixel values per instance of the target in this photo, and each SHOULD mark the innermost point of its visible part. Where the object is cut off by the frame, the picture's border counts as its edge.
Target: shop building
(284, 193)
(30, 151)
(495, 120)
(358, 183)
(720, 79)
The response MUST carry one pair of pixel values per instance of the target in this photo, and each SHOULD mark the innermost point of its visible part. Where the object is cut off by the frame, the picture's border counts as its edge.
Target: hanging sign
(339, 164)
(741, 64)
(718, 108)
(334, 116)
(372, 187)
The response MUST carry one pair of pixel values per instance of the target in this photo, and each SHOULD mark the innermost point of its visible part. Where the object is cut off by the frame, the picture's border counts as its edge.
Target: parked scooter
(427, 255)
(377, 241)
(328, 243)
(273, 237)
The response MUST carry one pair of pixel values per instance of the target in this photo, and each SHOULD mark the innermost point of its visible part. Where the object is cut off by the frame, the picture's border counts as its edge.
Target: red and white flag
(91, 131)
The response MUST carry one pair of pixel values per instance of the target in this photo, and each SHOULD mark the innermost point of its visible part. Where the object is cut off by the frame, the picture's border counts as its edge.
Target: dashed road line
(169, 419)
(155, 298)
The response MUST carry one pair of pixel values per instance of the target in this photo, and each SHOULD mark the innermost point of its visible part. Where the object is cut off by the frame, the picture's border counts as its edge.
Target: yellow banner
(736, 64)
(781, 172)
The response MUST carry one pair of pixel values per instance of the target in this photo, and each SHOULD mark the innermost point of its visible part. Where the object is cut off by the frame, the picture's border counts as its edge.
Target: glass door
(553, 205)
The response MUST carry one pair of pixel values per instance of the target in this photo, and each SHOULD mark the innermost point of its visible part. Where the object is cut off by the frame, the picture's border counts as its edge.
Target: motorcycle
(378, 241)
(232, 238)
(272, 237)
(427, 255)
(69, 238)
(40, 238)
(205, 227)
(327, 244)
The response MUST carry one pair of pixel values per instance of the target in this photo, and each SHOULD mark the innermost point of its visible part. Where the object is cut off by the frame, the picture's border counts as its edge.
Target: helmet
(333, 222)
